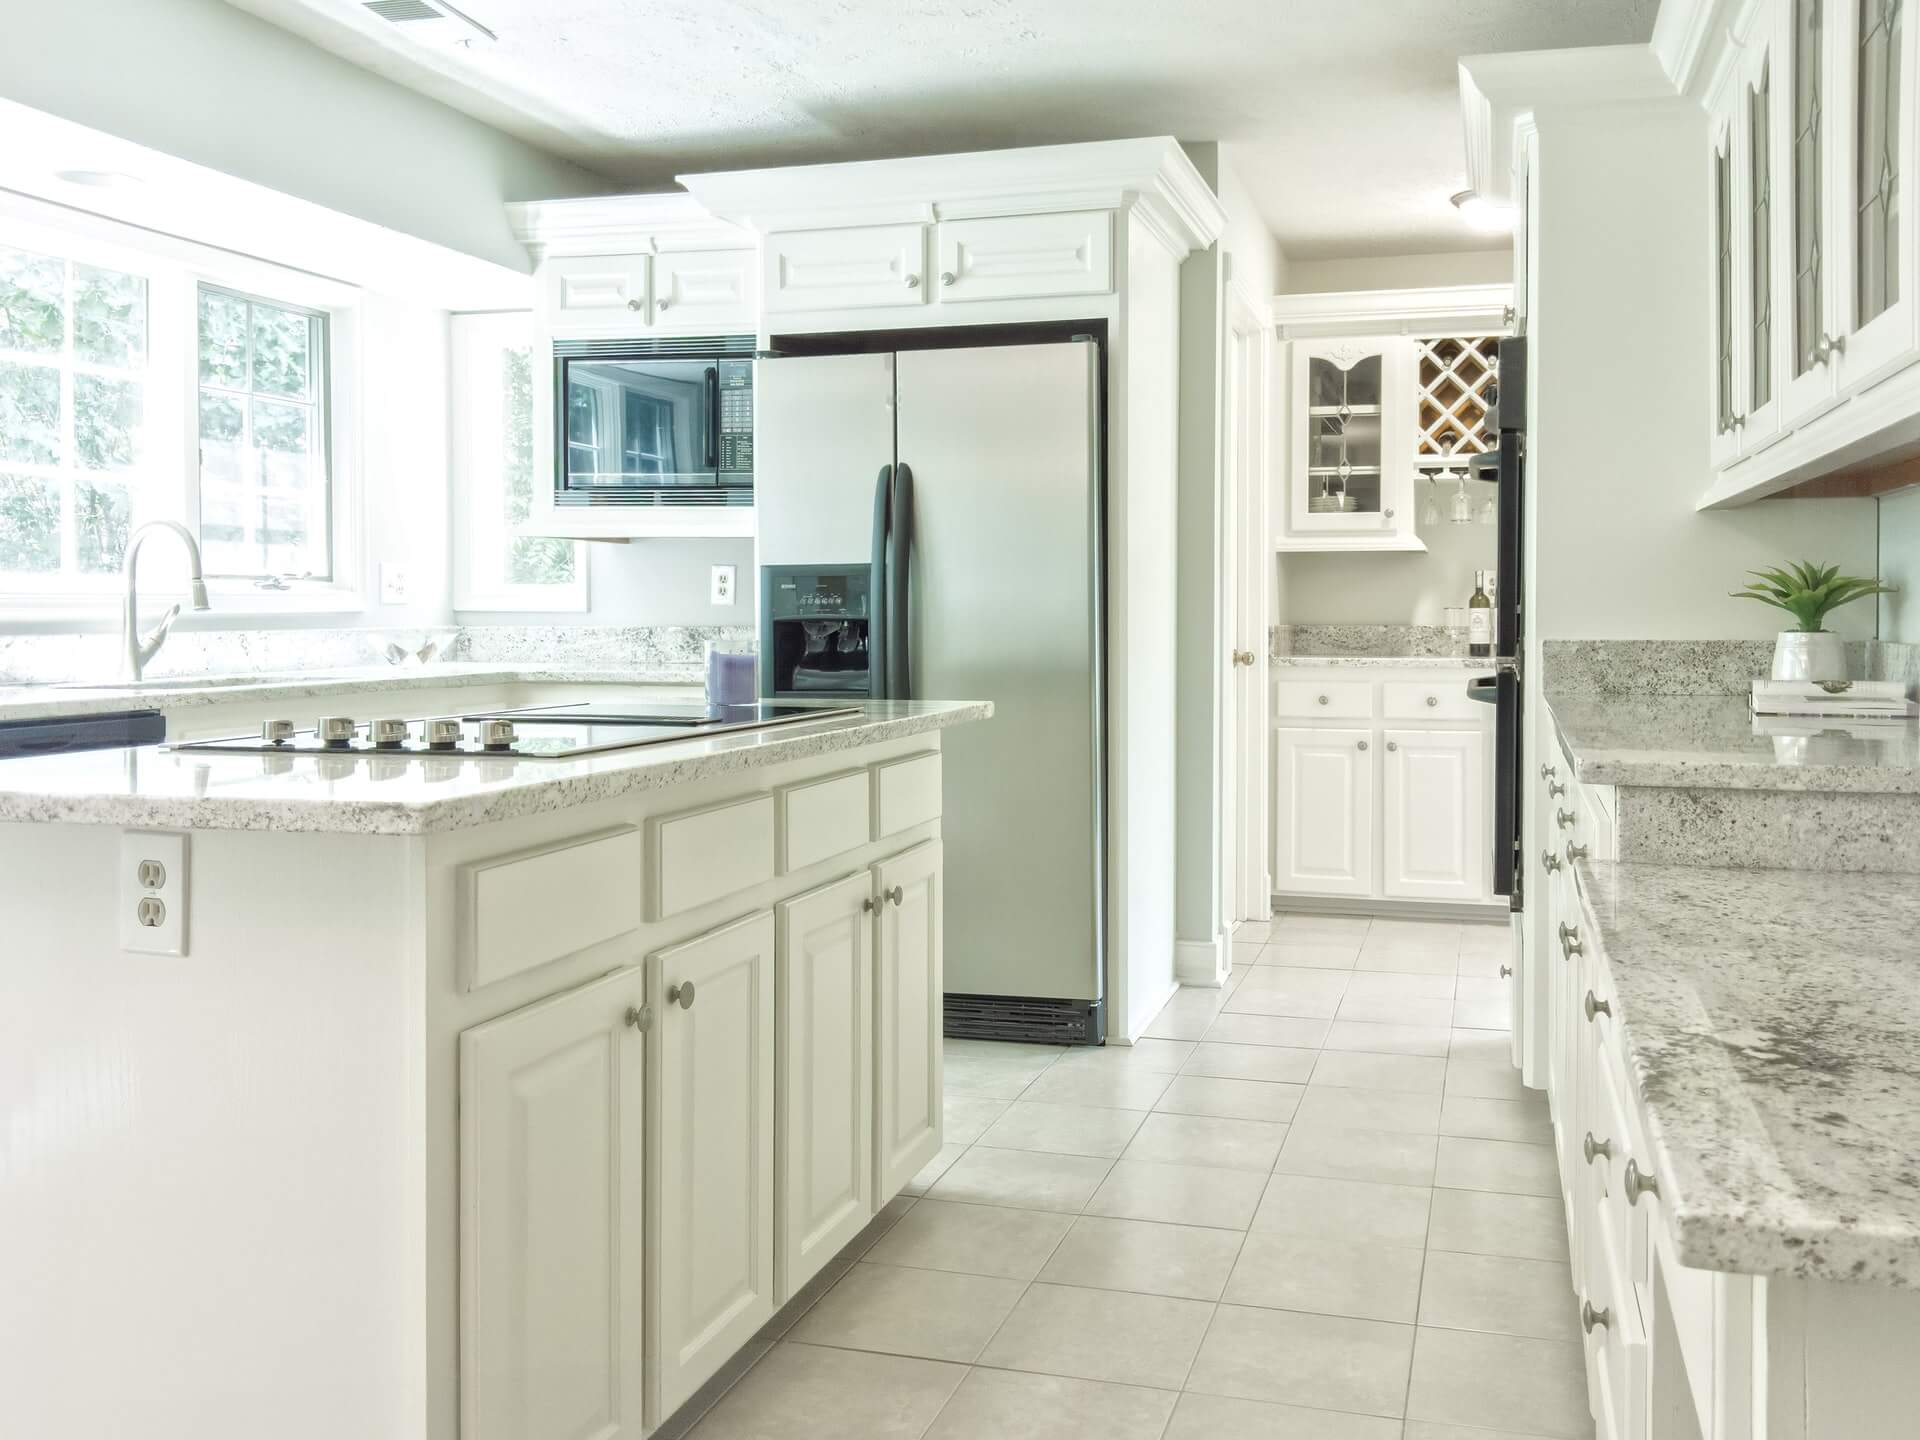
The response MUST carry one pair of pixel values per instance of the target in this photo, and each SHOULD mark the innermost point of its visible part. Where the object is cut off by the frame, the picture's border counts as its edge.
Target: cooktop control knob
(276, 732)
(496, 735)
(443, 734)
(389, 734)
(336, 731)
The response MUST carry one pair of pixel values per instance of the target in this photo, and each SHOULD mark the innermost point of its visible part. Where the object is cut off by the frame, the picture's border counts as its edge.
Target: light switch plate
(393, 583)
(151, 889)
(723, 578)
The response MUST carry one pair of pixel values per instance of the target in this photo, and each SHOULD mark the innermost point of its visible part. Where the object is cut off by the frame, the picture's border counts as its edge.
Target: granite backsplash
(1624, 668)
(1340, 640)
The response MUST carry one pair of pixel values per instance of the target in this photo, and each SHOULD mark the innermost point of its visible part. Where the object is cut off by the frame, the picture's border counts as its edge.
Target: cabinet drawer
(703, 855)
(705, 289)
(1022, 256)
(823, 818)
(595, 294)
(1322, 699)
(519, 911)
(845, 269)
(906, 793)
(1431, 700)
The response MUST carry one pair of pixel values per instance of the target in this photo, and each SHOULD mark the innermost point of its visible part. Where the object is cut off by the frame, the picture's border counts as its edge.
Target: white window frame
(175, 270)
(477, 487)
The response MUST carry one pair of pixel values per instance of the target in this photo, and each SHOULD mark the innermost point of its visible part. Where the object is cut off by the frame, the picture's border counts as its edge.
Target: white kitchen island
(507, 1098)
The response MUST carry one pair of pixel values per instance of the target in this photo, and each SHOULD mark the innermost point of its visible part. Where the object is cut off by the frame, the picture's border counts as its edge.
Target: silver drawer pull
(636, 304)
(1393, 744)
(1636, 1183)
(1576, 852)
(1593, 1149)
(1506, 971)
(947, 277)
(896, 894)
(1549, 861)
(1323, 699)
(1569, 942)
(681, 994)
(913, 282)
(1547, 772)
(1564, 818)
(1363, 744)
(1592, 1319)
(1432, 700)
(1595, 1007)
(1555, 789)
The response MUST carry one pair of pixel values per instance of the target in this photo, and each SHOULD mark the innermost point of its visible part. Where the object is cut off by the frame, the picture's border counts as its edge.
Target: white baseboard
(1203, 962)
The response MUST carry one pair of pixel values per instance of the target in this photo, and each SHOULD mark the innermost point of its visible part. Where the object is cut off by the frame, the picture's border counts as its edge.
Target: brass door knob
(1243, 657)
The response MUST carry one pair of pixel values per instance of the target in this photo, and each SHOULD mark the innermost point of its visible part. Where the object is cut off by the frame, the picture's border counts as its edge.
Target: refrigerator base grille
(1024, 1018)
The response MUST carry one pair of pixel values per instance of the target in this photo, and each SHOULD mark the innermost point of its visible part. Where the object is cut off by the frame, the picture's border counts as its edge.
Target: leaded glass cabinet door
(1351, 472)
(1760, 137)
(1873, 194)
(1728, 308)
(1808, 75)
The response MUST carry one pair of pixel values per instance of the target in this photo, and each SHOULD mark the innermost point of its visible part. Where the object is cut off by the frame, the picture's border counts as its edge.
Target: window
(144, 378)
(495, 566)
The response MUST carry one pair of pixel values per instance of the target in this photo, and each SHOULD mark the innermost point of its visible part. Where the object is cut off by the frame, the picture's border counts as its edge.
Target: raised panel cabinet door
(713, 1265)
(1434, 815)
(1016, 257)
(552, 1288)
(595, 294)
(705, 290)
(823, 1171)
(1323, 812)
(908, 987)
(852, 268)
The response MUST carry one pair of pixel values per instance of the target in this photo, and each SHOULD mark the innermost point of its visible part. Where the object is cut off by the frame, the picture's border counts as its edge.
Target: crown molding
(1455, 309)
(1151, 178)
(623, 225)
(1690, 37)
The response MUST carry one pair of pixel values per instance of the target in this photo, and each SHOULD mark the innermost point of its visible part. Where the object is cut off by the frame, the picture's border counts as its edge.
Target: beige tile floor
(1314, 1205)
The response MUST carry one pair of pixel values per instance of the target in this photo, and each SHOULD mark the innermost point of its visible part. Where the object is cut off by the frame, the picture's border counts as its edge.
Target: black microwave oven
(665, 421)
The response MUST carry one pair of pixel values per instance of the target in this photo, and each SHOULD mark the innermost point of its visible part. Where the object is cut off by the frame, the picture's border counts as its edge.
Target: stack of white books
(1852, 699)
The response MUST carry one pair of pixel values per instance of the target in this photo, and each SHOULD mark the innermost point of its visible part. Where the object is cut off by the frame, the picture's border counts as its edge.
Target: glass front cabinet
(1350, 459)
(1810, 173)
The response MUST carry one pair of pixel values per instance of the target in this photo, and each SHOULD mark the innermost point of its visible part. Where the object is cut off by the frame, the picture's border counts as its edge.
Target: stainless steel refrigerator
(930, 527)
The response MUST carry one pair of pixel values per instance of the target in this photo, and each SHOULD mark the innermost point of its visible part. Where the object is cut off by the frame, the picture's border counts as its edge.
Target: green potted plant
(1809, 593)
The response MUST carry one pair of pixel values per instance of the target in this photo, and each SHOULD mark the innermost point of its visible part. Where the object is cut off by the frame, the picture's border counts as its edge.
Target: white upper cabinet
(848, 268)
(1013, 257)
(1350, 450)
(1812, 321)
(595, 294)
(712, 292)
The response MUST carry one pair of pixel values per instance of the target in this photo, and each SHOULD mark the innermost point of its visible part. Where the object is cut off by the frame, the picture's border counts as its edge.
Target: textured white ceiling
(1344, 111)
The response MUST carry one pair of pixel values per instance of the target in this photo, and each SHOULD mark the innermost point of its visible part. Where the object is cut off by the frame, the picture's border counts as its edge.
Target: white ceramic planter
(1809, 655)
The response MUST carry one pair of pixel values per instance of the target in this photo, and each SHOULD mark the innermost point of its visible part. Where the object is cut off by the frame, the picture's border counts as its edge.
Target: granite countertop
(1382, 662)
(1712, 742)
(1772, 1024)
(148, 787)
(35, 702)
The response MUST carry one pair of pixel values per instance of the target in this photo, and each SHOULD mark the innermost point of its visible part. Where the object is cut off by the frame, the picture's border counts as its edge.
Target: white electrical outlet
(152, 893)
(723, 584)
(393, 583)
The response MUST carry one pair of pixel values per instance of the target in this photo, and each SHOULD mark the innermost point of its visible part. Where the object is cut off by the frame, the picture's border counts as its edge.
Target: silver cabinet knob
(869, 904)
(1593, 1149)
(913, 282)
(1549, 861)
(1564, 818)
(496, 735)
(636, 304)
(896, 895)
(1569, 942)
(1432, 700)
(1363, 744)
(443, 734)
(1324, 699)
(1547, 772)
(661, 304)
(1506, 971)
(681, 995)
(1828, 347)
(1594, 1006)
(947, 277)
(1555, 790)
(640, 1017)
(336, 731)
(1637, 1184)
(389, 734)
(1592, 1319)
(1393, 744)
(1575, 852)
(276, 732)
(1387, 514)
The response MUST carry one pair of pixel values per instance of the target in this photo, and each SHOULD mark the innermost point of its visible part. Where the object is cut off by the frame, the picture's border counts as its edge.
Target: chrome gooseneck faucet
(142, 648)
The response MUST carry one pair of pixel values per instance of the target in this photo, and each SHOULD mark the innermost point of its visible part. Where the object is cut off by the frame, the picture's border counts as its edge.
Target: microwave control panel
(736, 417)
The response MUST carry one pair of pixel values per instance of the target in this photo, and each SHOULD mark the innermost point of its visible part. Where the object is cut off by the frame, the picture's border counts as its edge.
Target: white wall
(1492, 266)
(652, 582)
(208, 83)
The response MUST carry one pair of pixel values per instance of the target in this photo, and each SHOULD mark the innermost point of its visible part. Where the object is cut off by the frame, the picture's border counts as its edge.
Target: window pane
(101, 512)
(281, 362)
(223, 340)
(32, 302)
(106, 422)
(29, 524)
(30, 413)
(109, 317)
(531, 559)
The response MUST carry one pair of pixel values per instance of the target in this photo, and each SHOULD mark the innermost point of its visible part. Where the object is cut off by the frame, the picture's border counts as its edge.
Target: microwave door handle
(877, 587)
(713, 419)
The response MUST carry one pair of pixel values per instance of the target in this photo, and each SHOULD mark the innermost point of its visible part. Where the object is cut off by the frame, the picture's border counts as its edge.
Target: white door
(823, 435)
(907, 989)
(1434, 819)
(1247, 889)
(595, 295)
(705, 290)
(823, 1175)
(552, 1105)
(713, 1270)
(852, 268)
(1323, 806)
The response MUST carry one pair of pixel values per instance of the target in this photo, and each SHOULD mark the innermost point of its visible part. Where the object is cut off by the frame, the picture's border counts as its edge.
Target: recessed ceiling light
(1483, 214)
(99, 179)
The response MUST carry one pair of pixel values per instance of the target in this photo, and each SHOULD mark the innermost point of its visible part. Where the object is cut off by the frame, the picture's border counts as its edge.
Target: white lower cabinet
(551, 1151)
(713, 1188)
(1325, 815)
(1433, 832)
(907, 1004)
(823, 1178)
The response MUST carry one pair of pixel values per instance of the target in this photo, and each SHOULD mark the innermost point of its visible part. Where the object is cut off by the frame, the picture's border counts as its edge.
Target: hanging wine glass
(1430, 506)
(1461, 507)
(1490, 507)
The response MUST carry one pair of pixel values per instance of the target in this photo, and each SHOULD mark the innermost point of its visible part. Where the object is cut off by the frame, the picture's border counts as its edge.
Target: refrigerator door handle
(900, 586)
(877, 586)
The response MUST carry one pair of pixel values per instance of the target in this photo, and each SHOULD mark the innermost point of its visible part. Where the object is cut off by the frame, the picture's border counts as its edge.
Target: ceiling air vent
(432, 22)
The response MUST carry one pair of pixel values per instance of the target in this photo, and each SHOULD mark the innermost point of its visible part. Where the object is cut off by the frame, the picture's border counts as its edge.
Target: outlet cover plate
(723, 583)
(153, 868)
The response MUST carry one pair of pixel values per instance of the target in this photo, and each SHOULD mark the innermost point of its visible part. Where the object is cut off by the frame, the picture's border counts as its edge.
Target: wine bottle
(1480, 617)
